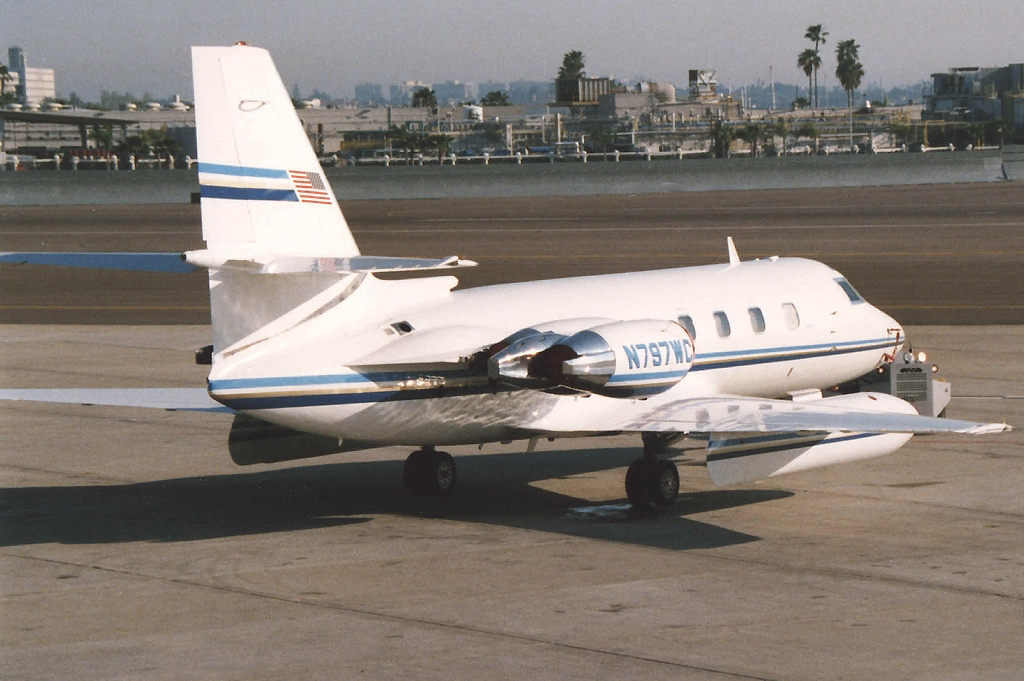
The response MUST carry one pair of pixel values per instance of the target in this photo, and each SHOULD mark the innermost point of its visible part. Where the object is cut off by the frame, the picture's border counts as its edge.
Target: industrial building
(977, 94)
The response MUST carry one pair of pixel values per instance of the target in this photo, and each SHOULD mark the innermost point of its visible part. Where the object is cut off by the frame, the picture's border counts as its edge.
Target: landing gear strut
(429, 473)
(650, 481)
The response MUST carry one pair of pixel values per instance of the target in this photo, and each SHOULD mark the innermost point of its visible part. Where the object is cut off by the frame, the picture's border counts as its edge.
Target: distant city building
(370, 94)
(454, 92)
(530, 91)
(978, 94)
(401, 94)
(492, 86)
(33, 85)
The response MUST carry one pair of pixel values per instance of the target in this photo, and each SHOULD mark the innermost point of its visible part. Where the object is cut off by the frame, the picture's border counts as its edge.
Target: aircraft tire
(664, 483)
(442, 475)
(429, 473)
(415, 471)
(638, 484)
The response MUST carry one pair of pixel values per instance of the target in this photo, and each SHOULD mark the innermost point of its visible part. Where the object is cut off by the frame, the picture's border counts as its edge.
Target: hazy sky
(142, 45)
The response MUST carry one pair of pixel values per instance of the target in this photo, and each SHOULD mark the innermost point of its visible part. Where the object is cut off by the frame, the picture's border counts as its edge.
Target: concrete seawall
(543, 179)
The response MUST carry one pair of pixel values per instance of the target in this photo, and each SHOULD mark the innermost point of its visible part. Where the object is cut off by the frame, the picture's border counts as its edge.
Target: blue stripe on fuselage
(373, 392)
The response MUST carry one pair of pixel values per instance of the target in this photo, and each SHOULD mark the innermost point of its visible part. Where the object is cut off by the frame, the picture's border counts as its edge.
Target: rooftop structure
(978, 94)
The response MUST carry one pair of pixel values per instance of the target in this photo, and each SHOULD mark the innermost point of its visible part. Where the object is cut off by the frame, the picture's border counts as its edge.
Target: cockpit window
(851, 292)
(791, 316)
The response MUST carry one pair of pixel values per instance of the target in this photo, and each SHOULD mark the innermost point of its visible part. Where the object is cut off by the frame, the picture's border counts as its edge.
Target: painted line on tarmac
(753, 256)
(952, 307)
(168, 308)
(674, 228)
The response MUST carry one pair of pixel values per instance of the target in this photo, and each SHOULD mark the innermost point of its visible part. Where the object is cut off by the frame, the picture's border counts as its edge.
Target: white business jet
(317, 355)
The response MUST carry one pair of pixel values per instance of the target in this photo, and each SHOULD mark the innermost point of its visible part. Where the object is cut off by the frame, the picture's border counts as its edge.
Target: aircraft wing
(860, 412)
(753, 439)
(171, 399)
(137, 262)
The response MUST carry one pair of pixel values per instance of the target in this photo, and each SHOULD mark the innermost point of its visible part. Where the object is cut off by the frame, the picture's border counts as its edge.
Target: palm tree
(722, 135)
(849, 70)
(753, 134)
(424, 98)
(572, 66)
(494, 98)
(816, 35)
(809, 61)
(810, 130)
(782, 129)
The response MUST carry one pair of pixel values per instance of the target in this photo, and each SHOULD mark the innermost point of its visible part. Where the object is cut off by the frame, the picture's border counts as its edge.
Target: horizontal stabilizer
(171, 399)
(298, 263)
(138, 262)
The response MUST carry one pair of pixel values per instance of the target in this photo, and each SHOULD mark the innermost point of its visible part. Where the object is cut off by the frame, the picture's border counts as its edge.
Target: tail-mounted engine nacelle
(620, 359)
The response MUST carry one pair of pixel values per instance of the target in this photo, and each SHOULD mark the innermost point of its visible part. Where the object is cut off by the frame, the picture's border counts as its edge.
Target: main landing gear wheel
(429, 473)
(650, 481)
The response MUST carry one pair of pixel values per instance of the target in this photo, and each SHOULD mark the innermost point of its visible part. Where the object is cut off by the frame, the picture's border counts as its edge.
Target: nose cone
(889, 327)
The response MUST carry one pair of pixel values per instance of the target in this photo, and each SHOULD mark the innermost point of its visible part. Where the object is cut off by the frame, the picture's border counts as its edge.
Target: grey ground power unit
(914, 381)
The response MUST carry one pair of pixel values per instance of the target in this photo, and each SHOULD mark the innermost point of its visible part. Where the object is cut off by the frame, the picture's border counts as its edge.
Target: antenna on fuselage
(734, 257)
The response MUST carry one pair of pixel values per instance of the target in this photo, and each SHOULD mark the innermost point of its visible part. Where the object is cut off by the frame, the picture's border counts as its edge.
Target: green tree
(442, 144)
(103, 135)
(998, 127)
(5, 78)
(424, 98)
(782, 128)
(809, 61)
(849, 70)
(600, 136)
(572, 66)
(753, 134)
(809, 130)
(722, 135)
(494, 98)
(900, 131)
(816, 35)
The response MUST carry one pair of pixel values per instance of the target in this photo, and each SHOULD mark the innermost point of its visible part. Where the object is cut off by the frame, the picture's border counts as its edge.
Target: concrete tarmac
(131, 546)
(927, 254)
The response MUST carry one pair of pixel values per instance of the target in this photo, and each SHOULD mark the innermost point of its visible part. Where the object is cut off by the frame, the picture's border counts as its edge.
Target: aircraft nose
(889, 327)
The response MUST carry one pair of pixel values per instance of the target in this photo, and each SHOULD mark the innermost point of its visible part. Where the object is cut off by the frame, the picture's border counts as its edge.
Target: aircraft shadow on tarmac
(493, 489)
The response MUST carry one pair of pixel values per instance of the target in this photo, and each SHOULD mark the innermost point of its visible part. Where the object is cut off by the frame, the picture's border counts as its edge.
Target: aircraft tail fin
(261, 185)
(263, 196)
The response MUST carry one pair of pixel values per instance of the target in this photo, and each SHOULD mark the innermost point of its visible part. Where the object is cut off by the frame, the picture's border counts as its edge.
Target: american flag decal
(310, 187)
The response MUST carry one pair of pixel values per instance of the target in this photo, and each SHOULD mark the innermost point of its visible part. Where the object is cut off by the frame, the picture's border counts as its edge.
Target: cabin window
(686, 322)
(756, 319)
(791, 316)
(850, 292)
(722, 324)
